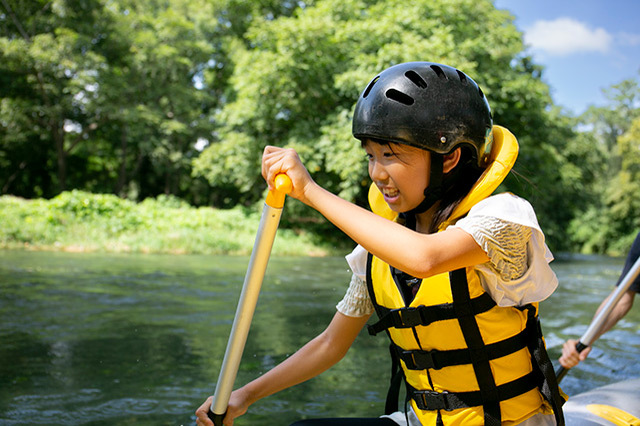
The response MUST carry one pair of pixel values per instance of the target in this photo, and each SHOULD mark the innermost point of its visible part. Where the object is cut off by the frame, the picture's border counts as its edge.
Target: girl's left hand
(286, 160)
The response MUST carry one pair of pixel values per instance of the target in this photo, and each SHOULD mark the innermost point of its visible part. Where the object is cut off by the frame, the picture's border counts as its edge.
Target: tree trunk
(58, 137)
(122, 174)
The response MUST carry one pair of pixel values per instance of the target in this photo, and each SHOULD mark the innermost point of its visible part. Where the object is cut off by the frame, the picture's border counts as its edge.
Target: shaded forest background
(149, 98)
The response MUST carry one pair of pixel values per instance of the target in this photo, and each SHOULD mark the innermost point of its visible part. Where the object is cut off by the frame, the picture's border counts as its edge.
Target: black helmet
(425, 105)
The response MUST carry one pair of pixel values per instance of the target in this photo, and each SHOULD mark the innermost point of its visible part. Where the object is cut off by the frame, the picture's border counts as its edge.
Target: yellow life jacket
(465, 360)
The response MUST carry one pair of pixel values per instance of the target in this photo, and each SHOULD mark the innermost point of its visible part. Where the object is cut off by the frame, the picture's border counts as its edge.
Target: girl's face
(401, 172)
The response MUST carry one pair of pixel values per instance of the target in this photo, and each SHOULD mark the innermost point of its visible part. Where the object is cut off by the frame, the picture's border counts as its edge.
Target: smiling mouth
(389, 192)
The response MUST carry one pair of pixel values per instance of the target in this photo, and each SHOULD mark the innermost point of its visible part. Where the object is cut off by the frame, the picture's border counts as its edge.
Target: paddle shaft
(249, 297)
(598, 322)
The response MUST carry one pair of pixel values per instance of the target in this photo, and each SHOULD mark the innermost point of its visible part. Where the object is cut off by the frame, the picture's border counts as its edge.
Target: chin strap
(432, 193)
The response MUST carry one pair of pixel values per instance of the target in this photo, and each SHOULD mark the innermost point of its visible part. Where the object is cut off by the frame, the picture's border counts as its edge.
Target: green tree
(103, 88)
(120, 95)
(111, 96)
(50, 54)
(296, 80)
(612, 219)
(614, 119)
(157, 110)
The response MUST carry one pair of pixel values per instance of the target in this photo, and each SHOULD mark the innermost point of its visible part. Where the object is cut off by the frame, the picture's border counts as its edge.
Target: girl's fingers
(201, 413)
(271, 158)
(277, 160)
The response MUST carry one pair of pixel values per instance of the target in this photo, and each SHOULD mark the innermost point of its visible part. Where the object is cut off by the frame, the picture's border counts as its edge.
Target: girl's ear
(451, 160)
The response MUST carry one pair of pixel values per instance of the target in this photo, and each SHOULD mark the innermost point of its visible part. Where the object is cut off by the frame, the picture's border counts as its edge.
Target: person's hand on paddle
(570, 356)
(238, 405)
(277, 160)
(202, 417)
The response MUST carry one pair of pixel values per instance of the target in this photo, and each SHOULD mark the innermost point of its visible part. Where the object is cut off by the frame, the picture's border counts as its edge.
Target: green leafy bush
(82, 221)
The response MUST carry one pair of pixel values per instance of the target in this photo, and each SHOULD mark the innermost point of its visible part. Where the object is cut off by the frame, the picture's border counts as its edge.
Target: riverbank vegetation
(156, 102)
(83, 222)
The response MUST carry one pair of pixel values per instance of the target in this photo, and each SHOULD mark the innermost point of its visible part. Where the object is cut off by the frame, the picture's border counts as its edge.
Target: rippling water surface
(89, 339)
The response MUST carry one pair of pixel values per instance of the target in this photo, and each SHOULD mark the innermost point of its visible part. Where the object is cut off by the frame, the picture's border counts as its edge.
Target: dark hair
(456, 184)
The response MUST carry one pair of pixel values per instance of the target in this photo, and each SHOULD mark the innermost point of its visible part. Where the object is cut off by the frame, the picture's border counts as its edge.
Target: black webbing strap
(473, 338)
(432, 193)
(448, 401)
(435, 359)
(380, 310)
(397, 374)
(425, 315)
(543, 367)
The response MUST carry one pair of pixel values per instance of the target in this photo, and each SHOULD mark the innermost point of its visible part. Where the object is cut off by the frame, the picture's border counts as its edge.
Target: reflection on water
(138, 340)
(584, 282)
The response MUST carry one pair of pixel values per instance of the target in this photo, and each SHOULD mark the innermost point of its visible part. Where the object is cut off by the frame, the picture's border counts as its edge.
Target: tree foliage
(146, 97)
(107, 94)
(296, 81)
(612, 219)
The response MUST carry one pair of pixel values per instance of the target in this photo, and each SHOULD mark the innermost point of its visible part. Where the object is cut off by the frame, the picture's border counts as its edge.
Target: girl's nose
(377, 171)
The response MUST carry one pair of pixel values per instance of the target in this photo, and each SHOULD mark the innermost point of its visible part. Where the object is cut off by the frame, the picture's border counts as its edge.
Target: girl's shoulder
(507, 207)
(503, 199)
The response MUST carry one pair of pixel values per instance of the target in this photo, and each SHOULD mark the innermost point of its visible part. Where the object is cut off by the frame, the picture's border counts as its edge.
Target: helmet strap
(432, 193)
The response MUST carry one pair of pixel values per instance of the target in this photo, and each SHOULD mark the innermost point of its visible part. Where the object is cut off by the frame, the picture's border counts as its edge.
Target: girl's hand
(286, 160)
(202, 413)
(238, 405)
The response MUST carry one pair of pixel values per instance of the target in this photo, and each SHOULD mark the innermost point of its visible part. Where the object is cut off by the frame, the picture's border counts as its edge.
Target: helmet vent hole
(463, 78)
(481, 92)
(416, 79)
(398, 96)
(438, 71)
(370, 86)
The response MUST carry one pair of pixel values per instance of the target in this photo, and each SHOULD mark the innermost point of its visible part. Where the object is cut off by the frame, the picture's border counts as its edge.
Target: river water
(92, 339)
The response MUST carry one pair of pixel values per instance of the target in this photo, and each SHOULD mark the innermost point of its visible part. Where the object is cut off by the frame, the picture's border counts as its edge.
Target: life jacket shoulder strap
(544, 368)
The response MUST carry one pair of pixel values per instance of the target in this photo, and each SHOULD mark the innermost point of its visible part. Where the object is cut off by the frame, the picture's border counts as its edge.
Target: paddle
(597, 323)
(249, 296)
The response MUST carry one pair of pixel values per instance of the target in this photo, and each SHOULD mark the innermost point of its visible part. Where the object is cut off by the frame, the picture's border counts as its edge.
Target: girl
(453, 274)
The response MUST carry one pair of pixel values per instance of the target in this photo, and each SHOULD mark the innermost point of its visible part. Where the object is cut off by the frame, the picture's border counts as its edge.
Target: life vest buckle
(418, 360)
(432, 400)
(408, 317)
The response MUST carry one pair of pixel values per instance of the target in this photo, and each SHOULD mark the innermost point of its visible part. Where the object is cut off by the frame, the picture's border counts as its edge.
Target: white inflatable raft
(616, 404)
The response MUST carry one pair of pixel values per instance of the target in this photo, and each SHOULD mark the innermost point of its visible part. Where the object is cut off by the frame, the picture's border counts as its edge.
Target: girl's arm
(421, 255)
(312, 359)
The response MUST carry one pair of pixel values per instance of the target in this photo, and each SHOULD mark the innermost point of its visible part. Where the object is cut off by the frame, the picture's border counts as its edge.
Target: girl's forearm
(367, 229)
(420, 255)
(315, 357)
(301, 366)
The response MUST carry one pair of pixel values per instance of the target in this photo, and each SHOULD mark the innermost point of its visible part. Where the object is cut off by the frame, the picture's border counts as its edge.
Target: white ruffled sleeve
(356, 301)
(506, 228)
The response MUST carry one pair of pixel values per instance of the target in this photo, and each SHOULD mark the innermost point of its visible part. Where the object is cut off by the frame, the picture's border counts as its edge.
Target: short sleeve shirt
(506, 228)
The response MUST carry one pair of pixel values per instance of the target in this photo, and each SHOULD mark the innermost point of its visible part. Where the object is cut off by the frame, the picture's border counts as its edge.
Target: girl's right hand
(202, 413)
(277, 160)
(238, 405)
